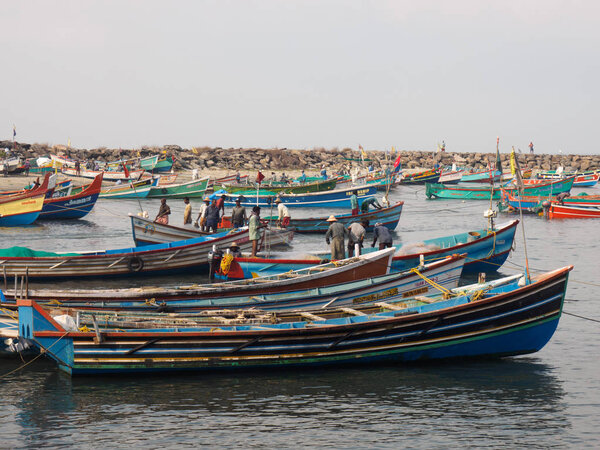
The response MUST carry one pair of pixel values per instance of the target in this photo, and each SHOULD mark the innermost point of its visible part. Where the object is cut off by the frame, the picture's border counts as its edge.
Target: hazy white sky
(303, 74)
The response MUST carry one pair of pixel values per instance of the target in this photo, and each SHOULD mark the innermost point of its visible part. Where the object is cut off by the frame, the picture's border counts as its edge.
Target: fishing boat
(451, 176)
(484, 193)
(288, 188)
(12, 165)
(389, 217)
(427, 176)
(108, 175)
(131, 189)
(516, 317)
(558, 211)
(337, 198)
(147, 232)
(561, 173)
(163, 164)
(62, 161)
(189, 256)
(586, 180)
(191, 189)
(24, 208)
(75, 204)
(229, 294)
(481, 176)
(486, 251)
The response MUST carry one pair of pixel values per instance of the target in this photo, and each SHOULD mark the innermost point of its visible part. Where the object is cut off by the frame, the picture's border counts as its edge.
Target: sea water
(547, 399)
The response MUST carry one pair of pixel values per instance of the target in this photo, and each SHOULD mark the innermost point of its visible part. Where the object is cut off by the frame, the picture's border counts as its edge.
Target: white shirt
(283, 211)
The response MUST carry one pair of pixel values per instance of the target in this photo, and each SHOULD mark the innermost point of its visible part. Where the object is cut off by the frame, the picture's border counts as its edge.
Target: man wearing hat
(254, 229)
(283, 218)
(201, 219)
(383, 234)
(335, 235)
(238, 214)
(234, 249)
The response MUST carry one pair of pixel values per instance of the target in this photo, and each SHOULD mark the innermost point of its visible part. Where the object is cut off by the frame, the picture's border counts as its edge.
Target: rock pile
(289, 159)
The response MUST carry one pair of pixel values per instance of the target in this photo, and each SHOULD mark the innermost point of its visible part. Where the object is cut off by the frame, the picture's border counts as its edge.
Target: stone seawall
(312, 160)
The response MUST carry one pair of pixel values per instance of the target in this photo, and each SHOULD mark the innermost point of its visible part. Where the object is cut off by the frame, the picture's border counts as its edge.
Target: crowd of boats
(396, 304)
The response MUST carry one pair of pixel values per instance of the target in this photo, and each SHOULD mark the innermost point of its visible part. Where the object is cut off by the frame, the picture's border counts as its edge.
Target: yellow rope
(431, 282)
(226, 263)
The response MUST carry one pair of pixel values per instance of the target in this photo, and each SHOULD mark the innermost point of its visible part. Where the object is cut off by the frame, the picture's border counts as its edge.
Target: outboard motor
(546, 207)
(214, 261)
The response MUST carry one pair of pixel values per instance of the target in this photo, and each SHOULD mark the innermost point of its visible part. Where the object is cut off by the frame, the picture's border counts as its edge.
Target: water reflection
(433, 402)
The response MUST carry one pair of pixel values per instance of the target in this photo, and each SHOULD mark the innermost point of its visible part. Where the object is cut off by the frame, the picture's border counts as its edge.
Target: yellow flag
(362, 152)
(194, 150)
(393, 152)
(512, 161)
(69, 143)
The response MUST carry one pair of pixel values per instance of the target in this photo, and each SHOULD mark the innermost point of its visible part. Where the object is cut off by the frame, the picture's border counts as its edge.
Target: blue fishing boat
(486, 251)
(482, 176)
(388, 217)
(515, 317)
(337, 198)
(73, 206)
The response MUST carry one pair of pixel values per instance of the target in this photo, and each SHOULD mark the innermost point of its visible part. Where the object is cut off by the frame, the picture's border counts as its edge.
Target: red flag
(125, 170)
(259, 177)
(397, 162)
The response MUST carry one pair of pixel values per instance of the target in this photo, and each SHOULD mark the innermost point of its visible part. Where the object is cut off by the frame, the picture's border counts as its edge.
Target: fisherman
(238, 177)
(302, 177)
(335, 236)
(201, 219)
(354, 202)
(283, 218)
(383, 234)
(324, 172)
(234, 249)
(78, 168)
(371, 201)
(560, 198)
(212, 217)
(238, 214)
(531, 147)
(283, 178)
(221, 204)
(357, 236)
(163, 212)
(187, 212)
(273, 178)
(254, 227)
(27, 167)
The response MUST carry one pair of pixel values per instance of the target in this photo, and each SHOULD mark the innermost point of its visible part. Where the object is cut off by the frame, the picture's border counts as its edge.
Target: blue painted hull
(329, 199)
(18, 220)
(69, 209)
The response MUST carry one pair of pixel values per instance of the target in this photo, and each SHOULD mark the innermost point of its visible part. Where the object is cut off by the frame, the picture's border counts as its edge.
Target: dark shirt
(212, 214)
(238, 215)
(383, 234)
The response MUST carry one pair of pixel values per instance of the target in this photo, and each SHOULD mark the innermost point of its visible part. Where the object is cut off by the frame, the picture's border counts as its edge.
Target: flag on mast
(363, 154)
(259, 177)
(498, 162)
(14, 131)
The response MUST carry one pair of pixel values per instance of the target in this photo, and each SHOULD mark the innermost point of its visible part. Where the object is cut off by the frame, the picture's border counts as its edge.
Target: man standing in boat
(335, 236)
(201, 219)
(254, 229)
(212, 217)
(238, 214)
(283, 218)
(187, 213)
(354, 202)
(163, 212)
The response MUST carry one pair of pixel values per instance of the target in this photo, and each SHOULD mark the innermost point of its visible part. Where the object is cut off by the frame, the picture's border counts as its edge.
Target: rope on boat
(431, 282)
(43, 351)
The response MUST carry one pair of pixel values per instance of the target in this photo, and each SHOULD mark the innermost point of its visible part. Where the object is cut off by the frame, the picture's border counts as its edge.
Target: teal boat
(435, 190)
(319, 185)
(192, 189)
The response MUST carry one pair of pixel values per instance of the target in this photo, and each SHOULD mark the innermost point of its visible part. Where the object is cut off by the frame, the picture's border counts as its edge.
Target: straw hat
(332, 219)
(206, 199)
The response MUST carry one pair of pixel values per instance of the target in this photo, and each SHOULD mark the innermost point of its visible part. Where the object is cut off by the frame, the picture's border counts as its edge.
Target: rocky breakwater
(251, 159)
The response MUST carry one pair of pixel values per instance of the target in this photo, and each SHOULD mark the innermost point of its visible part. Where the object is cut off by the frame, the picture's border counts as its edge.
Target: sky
(303, 74)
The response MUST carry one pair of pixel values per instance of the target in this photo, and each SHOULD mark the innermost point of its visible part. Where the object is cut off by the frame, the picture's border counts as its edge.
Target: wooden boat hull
(485, 176)
(586, 180)
(294, 188)
(23, 208)
(231, 294)
(339, 198)
(465, 193)
(191, 189)
(73, 206)
(173, 258)
(108, 175)
(486, 252)
(388, 217)
(558, 211)
(428, 176)
(147, 232)
(516, 322)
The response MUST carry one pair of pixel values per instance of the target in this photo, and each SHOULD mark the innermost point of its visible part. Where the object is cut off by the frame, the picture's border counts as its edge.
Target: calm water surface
(549, 399)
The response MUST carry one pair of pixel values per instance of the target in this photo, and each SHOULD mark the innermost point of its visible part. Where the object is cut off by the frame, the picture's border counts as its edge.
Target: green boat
(436, 190)
(296, 188)
(157, 163)
(192, 189)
